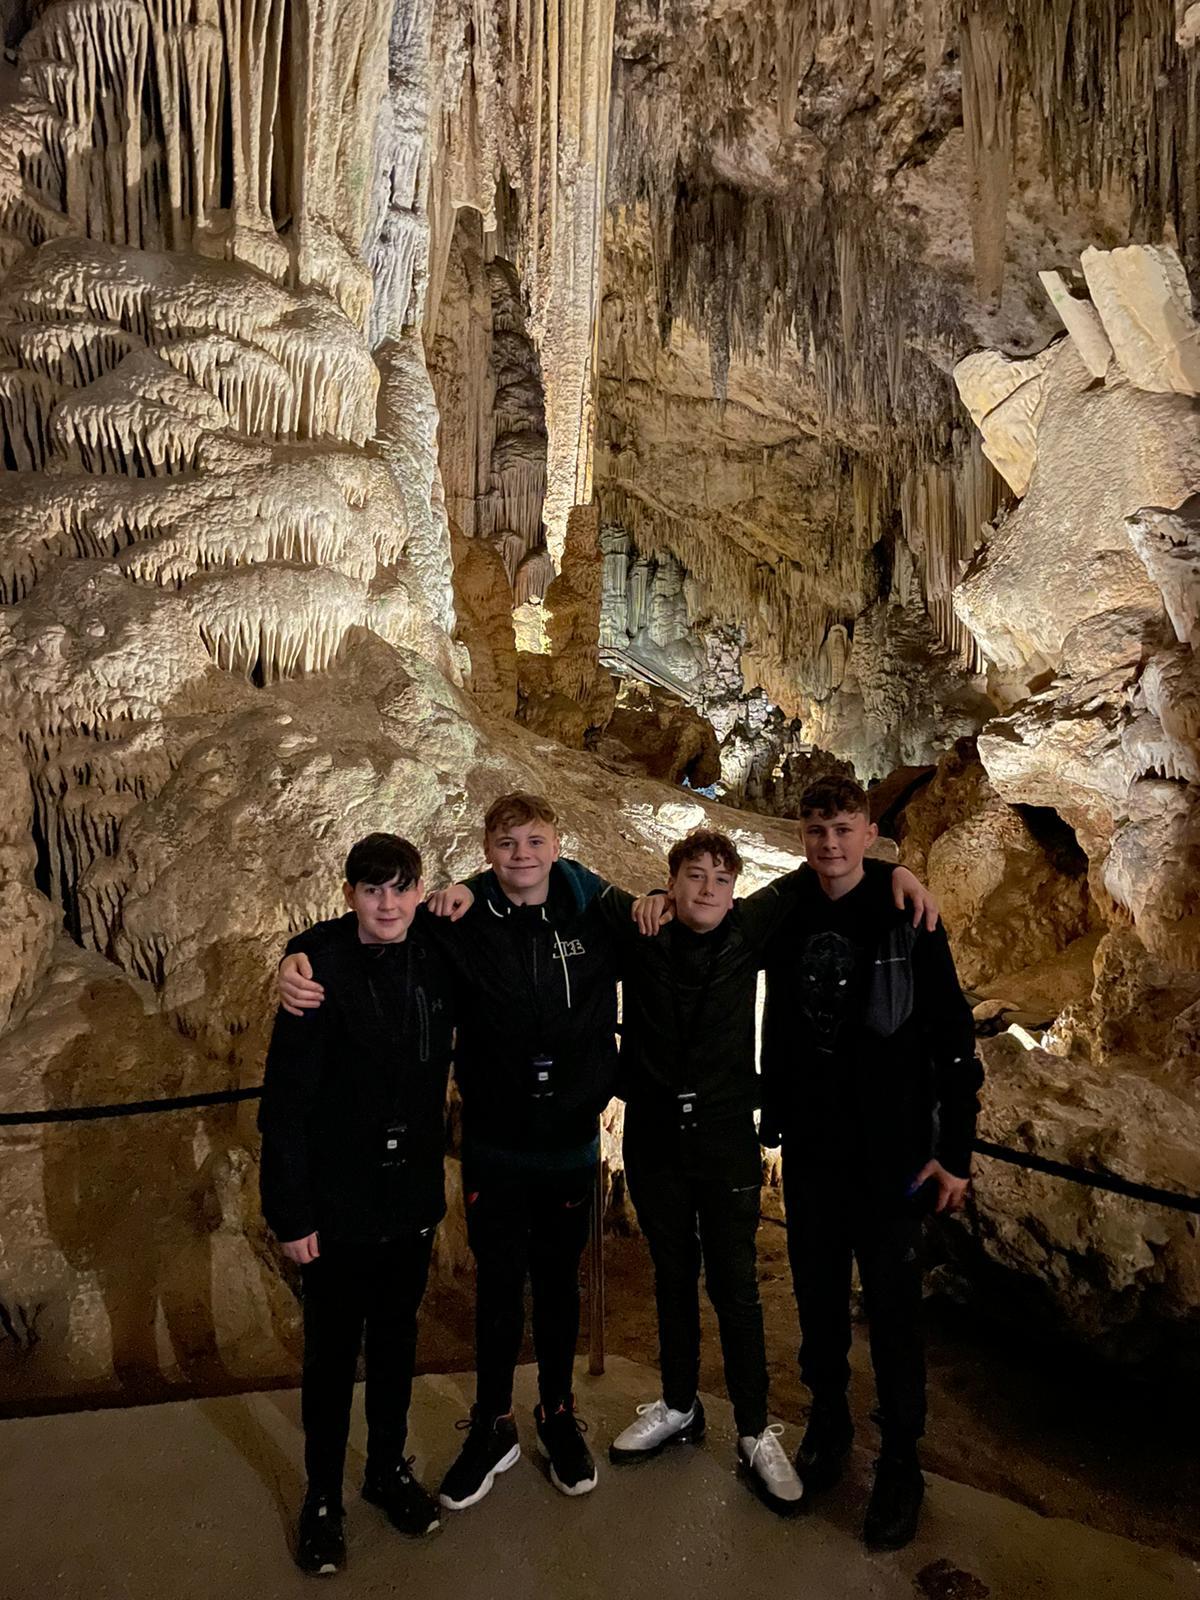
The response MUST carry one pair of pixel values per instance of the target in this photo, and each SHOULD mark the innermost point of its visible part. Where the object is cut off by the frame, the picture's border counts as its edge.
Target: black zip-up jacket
(868, 1043)
(688, 1002)
(537, 981)
(375, 1053)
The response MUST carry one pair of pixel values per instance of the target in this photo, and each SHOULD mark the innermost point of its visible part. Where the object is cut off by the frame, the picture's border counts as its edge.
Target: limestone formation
(1114, 1274)
(377, 379)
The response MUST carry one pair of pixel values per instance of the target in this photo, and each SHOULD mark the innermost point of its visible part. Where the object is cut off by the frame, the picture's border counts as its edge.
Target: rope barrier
(125, 1108)
(1026, 1159)
(1089, 1180)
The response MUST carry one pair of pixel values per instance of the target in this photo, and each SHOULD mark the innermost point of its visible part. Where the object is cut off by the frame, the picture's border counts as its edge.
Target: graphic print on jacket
(825, 984)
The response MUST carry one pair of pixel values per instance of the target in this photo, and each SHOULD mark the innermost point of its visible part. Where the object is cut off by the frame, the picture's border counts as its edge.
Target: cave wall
(327, 334)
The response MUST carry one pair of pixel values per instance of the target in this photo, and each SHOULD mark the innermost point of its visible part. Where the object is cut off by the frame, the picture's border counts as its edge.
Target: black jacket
(688, 1003)
(868, 1043)
(536, 981)
(375, 1053)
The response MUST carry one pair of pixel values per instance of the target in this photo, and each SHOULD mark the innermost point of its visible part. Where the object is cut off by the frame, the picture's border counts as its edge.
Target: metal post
(596, 1278)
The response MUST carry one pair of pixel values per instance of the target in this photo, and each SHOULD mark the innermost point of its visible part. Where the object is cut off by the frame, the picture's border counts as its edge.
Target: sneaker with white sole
(560, 1440)
(654, 1428)
(491, 1447)
(772, 1476)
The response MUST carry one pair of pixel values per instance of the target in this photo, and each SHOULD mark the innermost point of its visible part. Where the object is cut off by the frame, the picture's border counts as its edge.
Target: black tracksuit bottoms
(350, 1288)
(827, 1231)
(526, 1226)
(689, 1220)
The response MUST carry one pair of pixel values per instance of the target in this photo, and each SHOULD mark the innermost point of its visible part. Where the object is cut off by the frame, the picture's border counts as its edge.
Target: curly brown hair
(705, 842)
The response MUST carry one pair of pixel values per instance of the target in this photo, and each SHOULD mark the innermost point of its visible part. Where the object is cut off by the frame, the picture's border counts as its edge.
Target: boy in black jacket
(692, 1158)
(353, 1139)
(871, 1083)
(535, 1062)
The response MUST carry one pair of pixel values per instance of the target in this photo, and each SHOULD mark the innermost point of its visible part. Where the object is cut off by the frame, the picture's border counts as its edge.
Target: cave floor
(195, 1498)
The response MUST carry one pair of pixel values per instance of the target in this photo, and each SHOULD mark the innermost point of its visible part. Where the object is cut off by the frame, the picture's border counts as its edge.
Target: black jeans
(523, 1227)
(826, 1231)
(688, 1219)
(350, 1287)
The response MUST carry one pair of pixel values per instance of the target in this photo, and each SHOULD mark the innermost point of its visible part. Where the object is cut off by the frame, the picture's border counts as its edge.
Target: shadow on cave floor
(1034, 1423)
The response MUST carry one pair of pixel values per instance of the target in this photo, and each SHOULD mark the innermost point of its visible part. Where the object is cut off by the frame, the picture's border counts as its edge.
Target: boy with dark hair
(535, 1063)
(871, 1085)
(692, 1157)
(353, 1139)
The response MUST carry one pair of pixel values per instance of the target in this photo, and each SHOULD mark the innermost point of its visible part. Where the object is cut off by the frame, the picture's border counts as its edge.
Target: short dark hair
(516, 809)
(380, 857)
(705, 842)
(831, 795)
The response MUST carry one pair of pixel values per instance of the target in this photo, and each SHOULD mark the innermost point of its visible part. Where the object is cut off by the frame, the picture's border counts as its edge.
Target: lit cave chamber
(652, 404)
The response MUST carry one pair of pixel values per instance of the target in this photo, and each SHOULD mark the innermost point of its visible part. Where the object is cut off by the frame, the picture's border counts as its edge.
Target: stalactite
(1114, 96)
(123, 127)
(945, 510)
(989, 114)
(272, 621)
(771, 278)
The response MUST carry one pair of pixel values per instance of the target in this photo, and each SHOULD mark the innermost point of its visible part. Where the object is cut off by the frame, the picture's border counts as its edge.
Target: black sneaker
(821, 1458)
(895, 1503)
(560, 1440)
(409, 1507)
(321, 1538)
(491, 1447)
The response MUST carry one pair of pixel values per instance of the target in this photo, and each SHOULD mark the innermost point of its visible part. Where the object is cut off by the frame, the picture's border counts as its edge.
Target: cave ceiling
(813, 212)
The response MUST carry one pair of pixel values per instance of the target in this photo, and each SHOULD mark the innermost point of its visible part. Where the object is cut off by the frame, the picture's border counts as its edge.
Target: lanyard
(687, 1028)
(379, 954)
(525, 932)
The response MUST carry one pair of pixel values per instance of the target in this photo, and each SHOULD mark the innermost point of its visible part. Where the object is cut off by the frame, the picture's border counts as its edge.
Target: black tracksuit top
(536, 981)
(375, 1052)
(868, 1043)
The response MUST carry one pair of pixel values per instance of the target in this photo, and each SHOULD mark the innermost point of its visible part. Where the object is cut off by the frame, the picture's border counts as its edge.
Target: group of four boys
(869, 1082)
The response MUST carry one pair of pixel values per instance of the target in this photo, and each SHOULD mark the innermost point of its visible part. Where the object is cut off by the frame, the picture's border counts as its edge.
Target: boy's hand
(907, 889)
(651, 912)
(301, 1251)
(297, 991)
(952, 1191)
(453, 902)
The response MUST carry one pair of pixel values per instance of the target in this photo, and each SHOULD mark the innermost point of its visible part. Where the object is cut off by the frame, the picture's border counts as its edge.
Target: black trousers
(826, 1232)
(350, 1288)
(526, 1227)
(689, 1220)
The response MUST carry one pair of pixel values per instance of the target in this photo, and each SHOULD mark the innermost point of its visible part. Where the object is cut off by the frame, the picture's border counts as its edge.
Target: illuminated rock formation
(680, 314)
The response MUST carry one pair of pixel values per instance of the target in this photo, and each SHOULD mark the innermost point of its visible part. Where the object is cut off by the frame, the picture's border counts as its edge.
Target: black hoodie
(868, 1044)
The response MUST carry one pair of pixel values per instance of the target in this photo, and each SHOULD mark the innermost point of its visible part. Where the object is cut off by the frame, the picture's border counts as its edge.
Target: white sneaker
(772, 1476)
(655, 1427)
